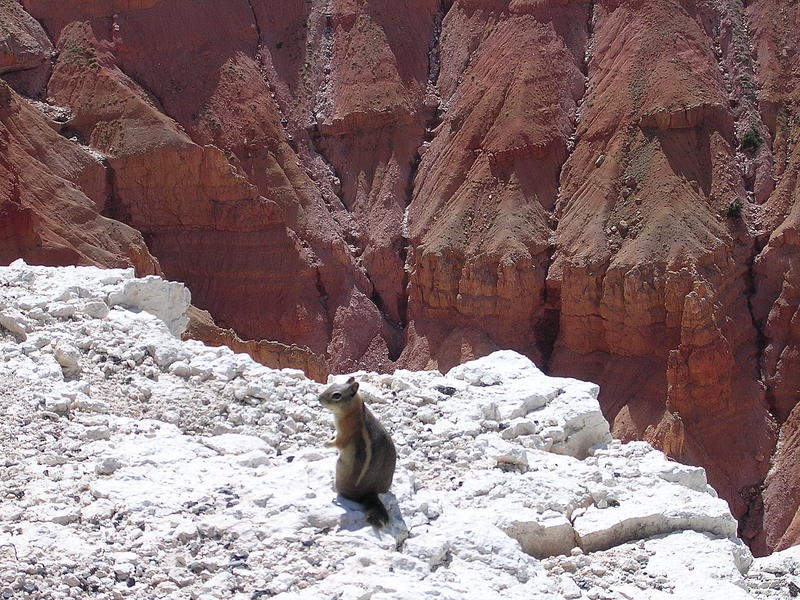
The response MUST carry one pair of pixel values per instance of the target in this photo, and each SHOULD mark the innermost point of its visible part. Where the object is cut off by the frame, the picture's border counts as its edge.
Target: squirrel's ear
(353, 385)
(351, 380)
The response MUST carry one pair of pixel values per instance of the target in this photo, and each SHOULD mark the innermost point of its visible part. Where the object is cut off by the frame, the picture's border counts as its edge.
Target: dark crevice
(114, 207)
(324, 99)
(761, 341)
(738, 67)
(433, 118)
(548, 325)
(434, 47)
(405, 243)
(589, 39)
(258, 30)
(322, 293)
(72, 135)
(394, 331)
(402, 303)
(333, 192)
(751, 523)
(154, 98)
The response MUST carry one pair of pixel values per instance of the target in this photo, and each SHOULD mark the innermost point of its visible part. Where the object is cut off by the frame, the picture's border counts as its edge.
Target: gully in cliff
(367, 457)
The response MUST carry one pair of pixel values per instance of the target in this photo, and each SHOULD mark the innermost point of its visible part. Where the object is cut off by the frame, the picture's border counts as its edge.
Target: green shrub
(734, 210)
(752, 139)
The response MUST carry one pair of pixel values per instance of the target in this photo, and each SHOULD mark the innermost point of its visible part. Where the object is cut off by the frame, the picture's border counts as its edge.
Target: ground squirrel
(366, 453)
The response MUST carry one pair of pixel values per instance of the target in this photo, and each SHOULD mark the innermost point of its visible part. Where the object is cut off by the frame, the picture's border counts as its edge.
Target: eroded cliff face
(776, 269)
(609, 186)
(483, 196)
(652, 276)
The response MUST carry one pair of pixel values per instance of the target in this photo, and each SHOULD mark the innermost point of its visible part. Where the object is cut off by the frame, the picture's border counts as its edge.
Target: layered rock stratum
(137, 465)
(607, 186)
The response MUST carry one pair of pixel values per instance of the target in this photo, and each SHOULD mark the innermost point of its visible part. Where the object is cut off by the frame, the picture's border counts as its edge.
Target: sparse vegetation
(752, 139)
(734, 210)
(746, 82)
(81, 56)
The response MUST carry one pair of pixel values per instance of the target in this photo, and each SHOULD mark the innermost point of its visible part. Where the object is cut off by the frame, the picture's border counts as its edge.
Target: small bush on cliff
(752, 139)
(734, 210)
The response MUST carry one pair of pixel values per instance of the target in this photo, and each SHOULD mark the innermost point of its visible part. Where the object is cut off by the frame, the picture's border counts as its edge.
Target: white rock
(568, 588)
(97, 432)
(166, 355)
(180, 369)
(699, 566)
(540, 534)
(13, 320)
(185, 532)
(62, 310)
(67, 356)
(517, 427)
(167, 300)
(779, 563)
(234, 443)
(38, 314)
(95, 309)
(53, 460)
(502, 451)
(123, 570)
(653, 513)
(253, 458)
(57, 404)
(98, 511)
(107, 465)
(59, 513)
(94, 405)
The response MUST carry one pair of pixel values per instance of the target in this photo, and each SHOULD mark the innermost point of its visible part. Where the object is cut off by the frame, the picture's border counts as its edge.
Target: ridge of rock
(139, 462)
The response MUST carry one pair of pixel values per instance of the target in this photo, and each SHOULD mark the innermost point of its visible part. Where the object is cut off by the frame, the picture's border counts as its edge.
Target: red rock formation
(25, 49)
(25, 45)
(650, 274)
(368, 123)
(478, 220)
(196, 210)
(202, 165)
(46, 213)
(781, 495)
(774, 26)
(202, 327)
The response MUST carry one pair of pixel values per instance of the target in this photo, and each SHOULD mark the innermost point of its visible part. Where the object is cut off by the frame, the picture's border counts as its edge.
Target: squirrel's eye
(336, 396)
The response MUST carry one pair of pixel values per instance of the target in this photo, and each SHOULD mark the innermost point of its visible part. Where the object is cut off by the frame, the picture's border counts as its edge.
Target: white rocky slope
(135, 465)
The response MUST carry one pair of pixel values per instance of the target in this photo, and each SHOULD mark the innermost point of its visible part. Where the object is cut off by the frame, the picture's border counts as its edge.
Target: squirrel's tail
(374, 510)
